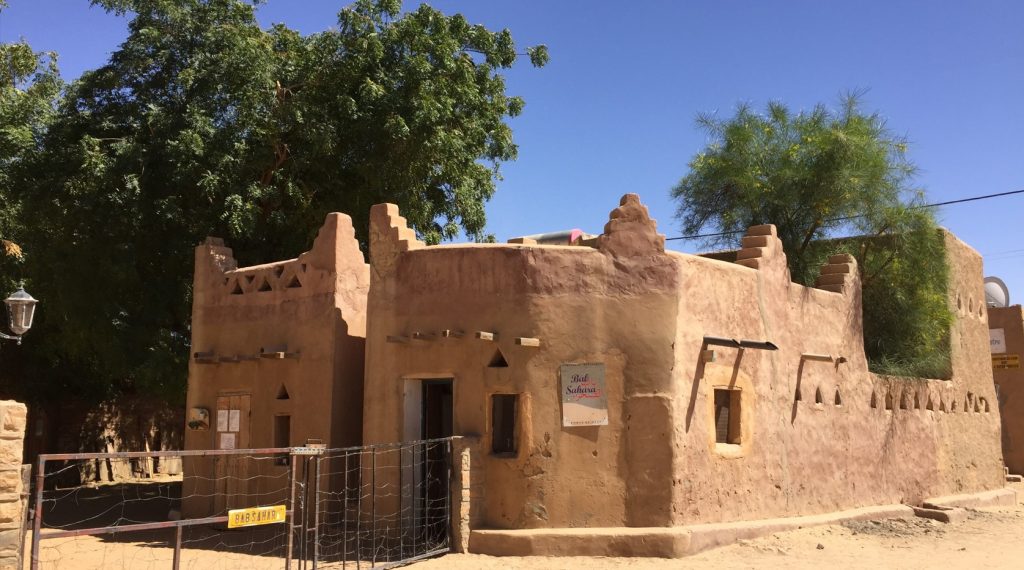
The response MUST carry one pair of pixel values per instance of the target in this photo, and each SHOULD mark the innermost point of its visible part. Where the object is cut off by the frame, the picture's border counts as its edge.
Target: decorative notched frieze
(839, 275)
(630, 231)
(390, 236)
(334, 263)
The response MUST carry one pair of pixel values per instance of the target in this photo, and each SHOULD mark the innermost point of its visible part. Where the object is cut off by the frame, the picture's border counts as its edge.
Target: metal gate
(301, 507)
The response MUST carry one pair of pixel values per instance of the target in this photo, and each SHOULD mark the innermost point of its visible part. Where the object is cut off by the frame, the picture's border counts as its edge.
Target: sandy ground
(990, 538)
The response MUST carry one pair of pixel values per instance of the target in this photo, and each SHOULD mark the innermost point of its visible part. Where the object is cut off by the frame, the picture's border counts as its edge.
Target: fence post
(37, 516)
(176, 563)
(316, 511)
(291, 507)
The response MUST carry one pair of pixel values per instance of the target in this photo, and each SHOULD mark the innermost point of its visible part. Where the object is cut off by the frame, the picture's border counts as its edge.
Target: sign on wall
(997, 340)
(584, 400)
(1006, 362)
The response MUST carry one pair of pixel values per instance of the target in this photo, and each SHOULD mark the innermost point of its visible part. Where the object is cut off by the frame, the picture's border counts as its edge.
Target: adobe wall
(585, 305)
(644, 312)
(871, 440)
(308, 318)
(1010, 384)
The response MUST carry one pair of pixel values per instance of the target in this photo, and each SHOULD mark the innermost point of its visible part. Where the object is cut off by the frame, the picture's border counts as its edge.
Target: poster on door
(584, 400)
(997, 341)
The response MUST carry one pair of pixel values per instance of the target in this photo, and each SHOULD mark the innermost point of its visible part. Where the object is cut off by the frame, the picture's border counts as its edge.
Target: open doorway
(437, 409)
(436, 423)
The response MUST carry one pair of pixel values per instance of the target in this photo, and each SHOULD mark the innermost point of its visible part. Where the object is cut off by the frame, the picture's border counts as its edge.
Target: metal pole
(401, 502)
(448, 491)
(37, 517)
(359, 514)
(373, 504)
(344, 515)
(303, 531)
(291, 507)
(316, 512)
(177, 548)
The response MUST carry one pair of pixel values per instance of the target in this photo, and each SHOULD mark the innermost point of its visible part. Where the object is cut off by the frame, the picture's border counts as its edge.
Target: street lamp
(21, 307)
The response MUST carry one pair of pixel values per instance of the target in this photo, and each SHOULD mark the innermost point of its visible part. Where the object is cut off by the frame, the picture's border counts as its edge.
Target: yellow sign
(256, 516)
(1005, 361)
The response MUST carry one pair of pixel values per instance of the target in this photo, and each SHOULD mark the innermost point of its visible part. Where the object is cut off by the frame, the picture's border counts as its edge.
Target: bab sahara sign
(584, 400)
(256, 516)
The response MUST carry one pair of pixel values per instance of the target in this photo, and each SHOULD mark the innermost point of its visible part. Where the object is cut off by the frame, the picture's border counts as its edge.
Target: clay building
(277, 358)
(729, 392)
(606, 385)
(1007, 344)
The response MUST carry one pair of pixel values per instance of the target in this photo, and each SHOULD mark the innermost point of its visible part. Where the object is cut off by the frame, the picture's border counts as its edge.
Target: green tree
(202, 123)
(818, 176)
(29, 85)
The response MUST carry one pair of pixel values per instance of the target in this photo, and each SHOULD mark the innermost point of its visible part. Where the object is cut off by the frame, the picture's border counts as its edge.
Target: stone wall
(12, 503)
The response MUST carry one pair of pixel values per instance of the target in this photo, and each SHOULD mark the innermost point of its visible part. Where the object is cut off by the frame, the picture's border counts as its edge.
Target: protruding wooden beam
(425, 337)
(205, 358)
(707, 355)
(484, 335)
(228, 359)
(449, 333)
(527, 341)
(818, 357)
(398, 339)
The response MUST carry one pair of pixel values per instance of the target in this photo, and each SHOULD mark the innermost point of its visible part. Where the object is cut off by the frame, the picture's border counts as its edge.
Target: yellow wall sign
(256, 516)
(1005, 361)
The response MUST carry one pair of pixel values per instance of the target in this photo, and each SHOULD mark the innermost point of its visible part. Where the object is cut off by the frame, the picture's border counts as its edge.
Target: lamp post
(21, 307)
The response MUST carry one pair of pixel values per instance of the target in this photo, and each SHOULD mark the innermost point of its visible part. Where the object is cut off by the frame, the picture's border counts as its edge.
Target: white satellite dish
(996, 293)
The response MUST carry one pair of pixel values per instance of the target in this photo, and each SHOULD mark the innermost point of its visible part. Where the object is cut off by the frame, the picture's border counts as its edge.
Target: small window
(503, 423)
(282, 436)
(727, 416)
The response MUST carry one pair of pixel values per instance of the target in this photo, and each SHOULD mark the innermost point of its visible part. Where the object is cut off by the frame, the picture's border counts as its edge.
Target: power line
(935, 205)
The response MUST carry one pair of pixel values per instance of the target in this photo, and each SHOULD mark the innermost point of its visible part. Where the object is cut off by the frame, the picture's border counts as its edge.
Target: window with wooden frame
(504, 409)
(727, 415)
(282, 436)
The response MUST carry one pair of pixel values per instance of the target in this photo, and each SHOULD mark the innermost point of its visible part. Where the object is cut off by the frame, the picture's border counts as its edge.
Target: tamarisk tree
(822, 176)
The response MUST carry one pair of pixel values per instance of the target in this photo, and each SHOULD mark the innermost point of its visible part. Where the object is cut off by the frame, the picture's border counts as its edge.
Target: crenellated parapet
(390, 235)
(630, 231)
(334, 263)
(839, 275)
(762, 250)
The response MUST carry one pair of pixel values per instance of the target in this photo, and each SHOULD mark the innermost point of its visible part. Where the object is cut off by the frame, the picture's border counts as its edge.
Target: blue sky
(614, 110)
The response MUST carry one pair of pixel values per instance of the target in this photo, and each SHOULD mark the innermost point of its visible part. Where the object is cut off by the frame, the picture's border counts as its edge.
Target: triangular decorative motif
(237, 290)
(293, 283)
(498, 360)
(817, 396)
(282, 393)
(264, 286)
(838, 399)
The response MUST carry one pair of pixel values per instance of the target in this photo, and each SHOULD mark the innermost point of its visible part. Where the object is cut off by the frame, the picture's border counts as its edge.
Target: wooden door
(231, 471)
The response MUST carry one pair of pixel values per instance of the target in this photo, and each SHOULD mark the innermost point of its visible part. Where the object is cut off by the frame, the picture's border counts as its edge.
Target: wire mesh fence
(361, 507)
(378, 506)
(111, 510)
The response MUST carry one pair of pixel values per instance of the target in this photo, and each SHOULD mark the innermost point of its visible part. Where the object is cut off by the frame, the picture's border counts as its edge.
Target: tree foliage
(202, 123)
(818, 176)
(29, 85)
